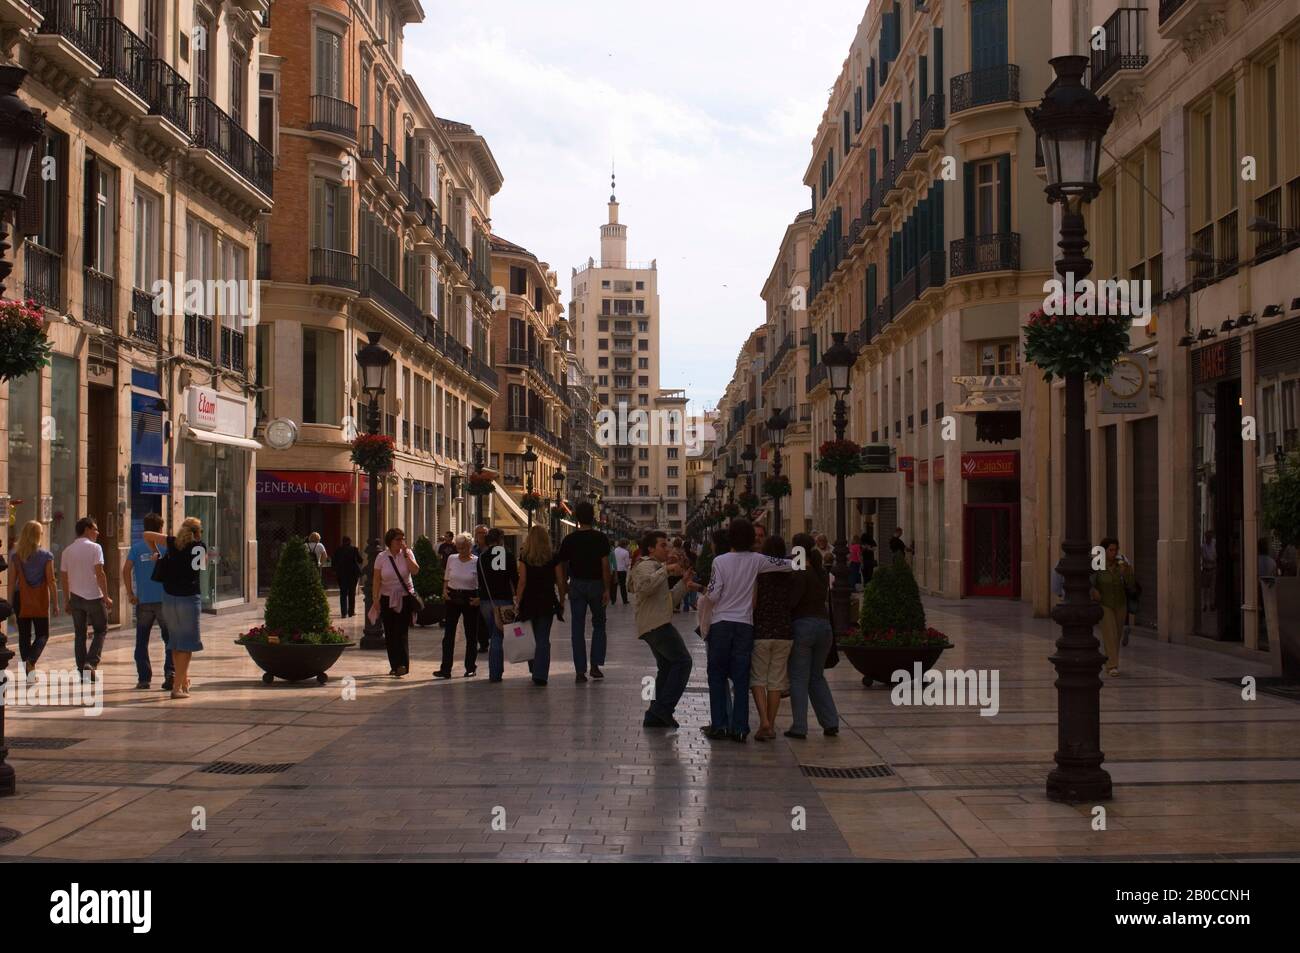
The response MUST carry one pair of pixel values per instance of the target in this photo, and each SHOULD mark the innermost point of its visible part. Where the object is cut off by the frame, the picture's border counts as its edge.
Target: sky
(706, 109)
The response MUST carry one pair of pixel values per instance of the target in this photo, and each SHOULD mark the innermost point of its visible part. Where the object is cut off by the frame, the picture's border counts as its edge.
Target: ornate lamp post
(557, 480)
(732, 473)
(749, 456)
(1071, 122)
(530, 468)
(839, 360)
(374, 360)
(20, 129)
(478, 433)
(776, 425)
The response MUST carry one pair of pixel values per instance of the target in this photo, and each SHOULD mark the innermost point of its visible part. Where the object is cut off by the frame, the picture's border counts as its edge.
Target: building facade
(147, 184)
(384, 227)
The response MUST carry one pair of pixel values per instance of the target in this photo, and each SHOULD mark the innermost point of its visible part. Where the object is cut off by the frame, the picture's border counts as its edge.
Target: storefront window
(24, 453)
(65, 374)
(215, 480)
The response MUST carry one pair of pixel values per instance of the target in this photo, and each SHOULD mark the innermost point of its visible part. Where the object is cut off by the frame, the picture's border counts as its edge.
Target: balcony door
(203, 39)
(988, 34)
(151, 26)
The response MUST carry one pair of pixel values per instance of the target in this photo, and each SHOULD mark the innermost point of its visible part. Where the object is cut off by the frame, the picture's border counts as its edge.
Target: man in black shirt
(897, 548)
(446, 548)
(584, 554)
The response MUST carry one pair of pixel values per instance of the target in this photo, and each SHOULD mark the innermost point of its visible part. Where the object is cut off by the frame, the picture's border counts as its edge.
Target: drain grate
(847, 774)
(6, 835)
(43, 744)
(236, 767)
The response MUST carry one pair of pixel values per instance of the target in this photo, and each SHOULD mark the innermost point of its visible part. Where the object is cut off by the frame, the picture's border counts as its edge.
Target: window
(643, 472)
(672, 474)
(364, 98)
(151, 25)
(643, 363)
(999, 358)
(640, 305)
(640, 286)
(672, 453)
(643, 345)
(642, 453)
(605, 284)
(320, 376)
(147, 244)
(642, 400)
(986, 198)
(331, 215)
(518, 280)
(602, 362)
(672, 489)
(263, 365)
(238, 85)
(643, 381)
(100, 217)
(643, 327)
(602, 344)
(204, 37)
(603, 325)
(603, 380)
(329, 64)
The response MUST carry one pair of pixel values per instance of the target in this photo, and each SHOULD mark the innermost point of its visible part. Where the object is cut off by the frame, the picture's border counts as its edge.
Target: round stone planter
(294, 663)
(879, 664)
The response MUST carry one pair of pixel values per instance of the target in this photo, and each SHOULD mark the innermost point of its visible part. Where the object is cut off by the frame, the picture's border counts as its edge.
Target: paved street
(419, 769)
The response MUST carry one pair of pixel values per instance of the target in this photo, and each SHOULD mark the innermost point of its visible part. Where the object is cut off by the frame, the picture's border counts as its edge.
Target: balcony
(518, 357)
(225, 150)
(43, 275)
(69, 36)
(198, 336)
(482, 283)
(370, 150)
(882, 187)
(1116, 67)
(933, 121)
(234, 351)
(334, 117)
(985, 253)
(168, 97)
(930, 272)
(483, 374)
(19, 15)
(1205, 269)
(1183, 19)
(124, 74)
(455, 248)
(101, 298)
(328, 266)
(378, 288)
(999, 84)
(263, 261)
(815, 377)
(144, 319)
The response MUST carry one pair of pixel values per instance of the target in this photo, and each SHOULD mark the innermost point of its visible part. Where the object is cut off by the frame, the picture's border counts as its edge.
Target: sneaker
(141, 686)
(830, 732)
(539, 682)
(714, 734)
(651, 721)
(596, 672)
(441, 674)
(801, 735)
(167, 684)
(580, 678)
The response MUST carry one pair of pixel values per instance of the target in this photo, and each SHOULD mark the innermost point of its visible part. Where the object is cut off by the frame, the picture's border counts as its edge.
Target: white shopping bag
(518, 642)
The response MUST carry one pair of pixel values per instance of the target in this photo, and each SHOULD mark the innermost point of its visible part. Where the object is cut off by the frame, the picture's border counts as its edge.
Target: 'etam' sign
(202, 409)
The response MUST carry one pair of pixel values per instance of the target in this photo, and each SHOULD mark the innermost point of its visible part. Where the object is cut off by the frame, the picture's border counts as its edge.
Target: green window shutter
(1004, 193)
(923, 73)
(884, 141)
(317, 213)
(898, 125)
(969, 198)
(872, 290)
(936, 215)
(871, 165)
(936, 48)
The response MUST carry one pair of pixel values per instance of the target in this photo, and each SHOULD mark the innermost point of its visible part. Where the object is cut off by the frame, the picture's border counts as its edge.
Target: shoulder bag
(504, 615)
(411, 603)
(160, 565)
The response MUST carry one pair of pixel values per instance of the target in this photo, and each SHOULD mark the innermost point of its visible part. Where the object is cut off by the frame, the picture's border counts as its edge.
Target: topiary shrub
(1281, 510)
(892, 600)
(297, 603)
(428, 581)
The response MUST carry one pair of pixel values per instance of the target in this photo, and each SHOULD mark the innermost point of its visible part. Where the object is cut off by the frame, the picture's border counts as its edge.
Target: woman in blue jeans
(812, 643)
(540, 577)
(497, 576)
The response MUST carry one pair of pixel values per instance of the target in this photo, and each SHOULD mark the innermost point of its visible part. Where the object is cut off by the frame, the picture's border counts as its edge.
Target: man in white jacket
(655, 602)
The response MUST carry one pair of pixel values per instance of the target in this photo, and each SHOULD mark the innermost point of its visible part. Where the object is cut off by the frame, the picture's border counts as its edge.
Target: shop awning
(990, 393)
(515, 511)
(211, 436)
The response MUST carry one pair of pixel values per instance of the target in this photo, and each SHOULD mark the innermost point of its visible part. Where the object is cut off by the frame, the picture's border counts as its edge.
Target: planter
(294, 663)
(432, 614)
(1287, 590)
(879, 664)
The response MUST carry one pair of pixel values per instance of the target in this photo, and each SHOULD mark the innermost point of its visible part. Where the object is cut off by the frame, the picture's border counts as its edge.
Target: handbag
(504, 615)
(518, 642)
(833, 656)
(160, 565)
(411, 603)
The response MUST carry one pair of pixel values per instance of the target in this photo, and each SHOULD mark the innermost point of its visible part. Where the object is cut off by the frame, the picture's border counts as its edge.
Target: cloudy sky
(707, 108)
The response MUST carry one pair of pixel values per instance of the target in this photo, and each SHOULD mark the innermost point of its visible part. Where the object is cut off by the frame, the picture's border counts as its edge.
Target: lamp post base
(1084, 785)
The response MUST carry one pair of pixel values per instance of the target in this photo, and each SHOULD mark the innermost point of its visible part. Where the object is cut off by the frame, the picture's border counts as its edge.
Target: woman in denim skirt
(185, 557)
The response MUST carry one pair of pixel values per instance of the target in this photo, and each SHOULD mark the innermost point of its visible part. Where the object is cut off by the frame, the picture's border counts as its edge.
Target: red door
(992, 549)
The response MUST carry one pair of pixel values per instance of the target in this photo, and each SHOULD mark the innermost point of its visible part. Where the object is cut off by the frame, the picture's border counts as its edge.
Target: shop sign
(201, 407)
(303, 486)
(149, 479)
(996, 465)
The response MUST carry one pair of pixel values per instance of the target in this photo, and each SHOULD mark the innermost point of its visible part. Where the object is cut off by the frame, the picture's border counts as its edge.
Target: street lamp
(478, 434)
(530, 468)
(776, 425)
(557, 480)
(1071, 122)
(749, 456)
(732, 473)
(374, 360)
(839, 360)
(20, 129)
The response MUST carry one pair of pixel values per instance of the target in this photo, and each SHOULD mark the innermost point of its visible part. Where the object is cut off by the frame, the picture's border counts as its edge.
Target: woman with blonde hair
(185, 557)
(31, 582)
(541, 577)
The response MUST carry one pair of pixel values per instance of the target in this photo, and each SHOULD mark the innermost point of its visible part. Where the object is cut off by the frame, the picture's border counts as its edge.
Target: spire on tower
(612, 196)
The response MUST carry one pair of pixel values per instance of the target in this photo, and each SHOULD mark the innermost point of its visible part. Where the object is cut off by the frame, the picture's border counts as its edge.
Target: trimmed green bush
(1281, 509)
(428, 581)
(297, 603)
(892, 600)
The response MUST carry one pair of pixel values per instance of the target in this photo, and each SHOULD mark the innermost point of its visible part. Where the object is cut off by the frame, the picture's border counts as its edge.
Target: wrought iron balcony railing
(74, 20)
(998, 84)
(42, 275)
(123, 56)
(100, 298)
(198, 336)
(167, 94)
(331, 267)
(333, 115)
(376, 286)
(233, 349)
(214, 130)
(144, 320)
(983, 253)
(1125, 49)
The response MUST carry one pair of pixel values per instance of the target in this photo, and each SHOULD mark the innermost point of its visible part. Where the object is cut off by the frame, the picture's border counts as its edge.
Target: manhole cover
(847, 774)
(1269, 685)
(6, 835)
(43, 744)
(235, 767)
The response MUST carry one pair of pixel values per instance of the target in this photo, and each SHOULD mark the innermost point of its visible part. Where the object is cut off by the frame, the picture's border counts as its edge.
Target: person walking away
(184, 557)
(318, 554)
(536, 599)
(1110, 587)
(460, 596)
(395, 568)
(348, 567)
(147, 596)
(498, 577)
(811, 625)
(656, 600)
(729, 602)
(897, 548)
(85, 594)
(34, 591)
(622, 565)
(769, 676)
(585, 555)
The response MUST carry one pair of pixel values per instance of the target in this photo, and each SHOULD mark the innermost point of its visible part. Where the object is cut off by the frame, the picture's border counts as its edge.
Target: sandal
(1113, 673)
(180, 693)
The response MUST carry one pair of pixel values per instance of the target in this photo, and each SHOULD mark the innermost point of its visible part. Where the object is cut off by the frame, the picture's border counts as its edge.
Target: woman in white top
(460, 595)
(395, 568)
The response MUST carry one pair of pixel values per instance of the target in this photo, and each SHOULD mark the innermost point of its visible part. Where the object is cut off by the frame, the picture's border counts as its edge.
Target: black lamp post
(530, 468)
(839, 360)
(1071, 122)
(732, 473)
(374, 360)
(776, 425)
(557, 480)
(749, 456)
(478, 433)
(20, 129)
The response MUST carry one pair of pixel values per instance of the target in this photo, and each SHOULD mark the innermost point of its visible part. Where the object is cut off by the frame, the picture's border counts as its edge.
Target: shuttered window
(329, 64)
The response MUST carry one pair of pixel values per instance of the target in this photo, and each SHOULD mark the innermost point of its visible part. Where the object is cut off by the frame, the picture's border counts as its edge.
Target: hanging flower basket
(23, 345)
(748, 501)
(373, 452)
(531, 502)
(1061, 344)
(479, 483)
(839, 457)
(776, 487)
